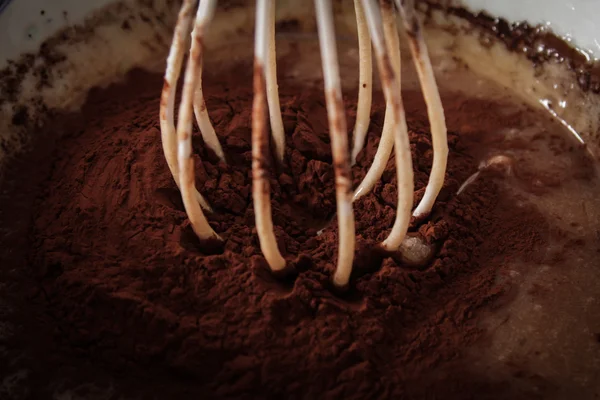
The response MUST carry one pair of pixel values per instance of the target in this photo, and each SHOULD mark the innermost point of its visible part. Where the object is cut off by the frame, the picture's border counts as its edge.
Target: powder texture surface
(128, 285)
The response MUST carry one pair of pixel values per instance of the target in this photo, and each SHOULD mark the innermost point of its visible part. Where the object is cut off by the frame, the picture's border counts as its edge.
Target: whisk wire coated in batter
(377, 30)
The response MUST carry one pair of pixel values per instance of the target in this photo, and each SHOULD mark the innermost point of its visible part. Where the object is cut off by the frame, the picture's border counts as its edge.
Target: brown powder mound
(129, 287)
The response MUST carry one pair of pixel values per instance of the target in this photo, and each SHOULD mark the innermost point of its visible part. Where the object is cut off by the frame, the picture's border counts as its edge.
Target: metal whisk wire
(376, 24)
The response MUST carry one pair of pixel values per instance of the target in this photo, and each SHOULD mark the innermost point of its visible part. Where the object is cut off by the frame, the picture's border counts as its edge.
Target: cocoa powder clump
(128, 285)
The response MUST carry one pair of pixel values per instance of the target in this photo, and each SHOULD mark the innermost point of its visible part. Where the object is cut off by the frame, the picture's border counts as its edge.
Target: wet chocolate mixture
(119, 270)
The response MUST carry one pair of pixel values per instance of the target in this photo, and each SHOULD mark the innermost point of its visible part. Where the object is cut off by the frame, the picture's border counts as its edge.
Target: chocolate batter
(114, 263)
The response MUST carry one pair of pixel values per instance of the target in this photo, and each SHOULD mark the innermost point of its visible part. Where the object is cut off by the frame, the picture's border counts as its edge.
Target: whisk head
(377, 30)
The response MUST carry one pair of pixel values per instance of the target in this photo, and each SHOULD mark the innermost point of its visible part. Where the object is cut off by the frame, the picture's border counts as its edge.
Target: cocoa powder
(121, 280)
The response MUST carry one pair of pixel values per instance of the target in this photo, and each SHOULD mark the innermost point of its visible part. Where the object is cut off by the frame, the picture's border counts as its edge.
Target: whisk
(376, 24)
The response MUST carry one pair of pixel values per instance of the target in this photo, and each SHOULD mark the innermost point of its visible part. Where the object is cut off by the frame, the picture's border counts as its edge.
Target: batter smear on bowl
(129, 282)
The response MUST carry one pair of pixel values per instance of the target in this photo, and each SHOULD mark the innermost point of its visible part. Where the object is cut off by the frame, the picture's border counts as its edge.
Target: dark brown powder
(121, 280)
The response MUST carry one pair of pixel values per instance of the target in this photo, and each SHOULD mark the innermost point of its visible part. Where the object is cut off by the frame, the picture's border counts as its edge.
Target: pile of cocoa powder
(116, 276)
